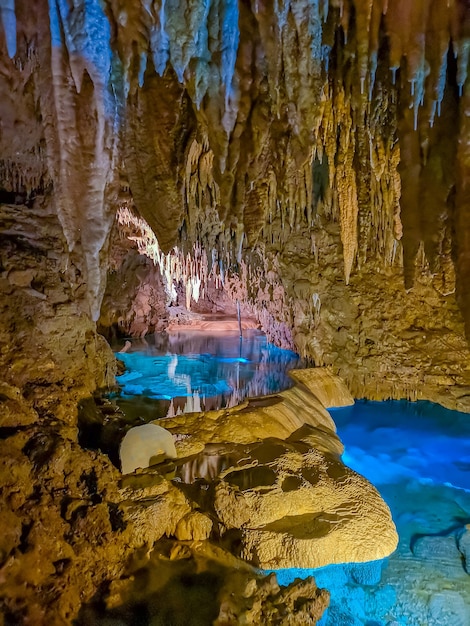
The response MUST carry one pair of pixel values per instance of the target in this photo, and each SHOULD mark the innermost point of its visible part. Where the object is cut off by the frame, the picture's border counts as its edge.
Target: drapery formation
(234, 124)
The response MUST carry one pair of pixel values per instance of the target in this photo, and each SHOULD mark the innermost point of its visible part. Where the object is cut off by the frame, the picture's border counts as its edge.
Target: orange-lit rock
(309, 160)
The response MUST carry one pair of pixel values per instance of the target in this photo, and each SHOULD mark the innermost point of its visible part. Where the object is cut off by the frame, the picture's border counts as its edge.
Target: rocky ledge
(261, 485)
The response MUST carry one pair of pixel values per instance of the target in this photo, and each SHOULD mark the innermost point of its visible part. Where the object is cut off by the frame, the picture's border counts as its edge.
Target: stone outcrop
(280, 487)
(217, 589)
(143, 445)
(51, 353)
(134, 301)
(329, 389)
(304, 510)
(264, 482)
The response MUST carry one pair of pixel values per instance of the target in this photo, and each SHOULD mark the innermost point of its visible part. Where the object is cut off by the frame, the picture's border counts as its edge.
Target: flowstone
(270, 472)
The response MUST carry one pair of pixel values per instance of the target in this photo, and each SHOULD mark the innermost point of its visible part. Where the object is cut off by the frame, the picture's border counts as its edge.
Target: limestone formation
(217, 589)
(304, 510)
(309, 160)
(275, 416)
(143, 444)
(288, 496)
(328, 388)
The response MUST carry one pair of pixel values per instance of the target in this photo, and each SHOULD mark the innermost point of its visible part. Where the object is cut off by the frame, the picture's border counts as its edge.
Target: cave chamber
(307, 161)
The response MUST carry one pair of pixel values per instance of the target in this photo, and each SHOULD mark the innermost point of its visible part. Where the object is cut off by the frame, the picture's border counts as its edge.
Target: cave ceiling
(234, 123)
(316, 153)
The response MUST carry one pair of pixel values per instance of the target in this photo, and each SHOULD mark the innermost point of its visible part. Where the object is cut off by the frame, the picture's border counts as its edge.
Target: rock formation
(310, 159)
(278, 483)
(142, 443)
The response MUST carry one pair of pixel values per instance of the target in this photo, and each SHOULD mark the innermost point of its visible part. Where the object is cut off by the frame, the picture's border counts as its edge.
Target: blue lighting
(418, 456)
(230, 40)
(56, 36)
(390, 442)
(219, 365)
(87, 32)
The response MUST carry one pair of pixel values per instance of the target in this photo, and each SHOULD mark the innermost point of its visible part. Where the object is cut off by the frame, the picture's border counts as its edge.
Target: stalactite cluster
(190, 270)
(309, 159)
(263, 90)
(240, 128)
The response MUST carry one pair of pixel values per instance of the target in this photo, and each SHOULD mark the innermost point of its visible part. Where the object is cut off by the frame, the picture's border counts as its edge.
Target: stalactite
(231, 164)
(8, 19)
(260, 92)
(345, 185)
(228, 177)
(190, 270)
(83, 169)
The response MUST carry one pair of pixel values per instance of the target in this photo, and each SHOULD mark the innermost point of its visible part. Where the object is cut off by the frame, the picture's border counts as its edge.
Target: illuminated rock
(328, 388)
(305, 510)
(287, 150)
(244, 596)
(274, 416)
(194, 527)
(280, 483)
(143, 444)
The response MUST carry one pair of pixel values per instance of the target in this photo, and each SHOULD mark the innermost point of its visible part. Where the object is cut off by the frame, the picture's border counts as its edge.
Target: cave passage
(418, 456)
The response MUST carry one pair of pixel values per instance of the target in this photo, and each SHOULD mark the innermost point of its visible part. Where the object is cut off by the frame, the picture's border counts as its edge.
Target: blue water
(418, 457)
(416, 454)
(214, 371)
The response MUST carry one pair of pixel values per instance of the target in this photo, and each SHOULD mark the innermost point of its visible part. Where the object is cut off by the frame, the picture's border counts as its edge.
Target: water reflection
(194, 371)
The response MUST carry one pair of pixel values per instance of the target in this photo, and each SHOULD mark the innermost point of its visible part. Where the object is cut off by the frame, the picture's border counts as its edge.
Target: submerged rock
(463, 544)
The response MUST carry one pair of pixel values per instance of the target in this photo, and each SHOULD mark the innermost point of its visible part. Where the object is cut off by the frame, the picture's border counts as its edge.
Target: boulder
(280, 486)
(304, 509)
(145, 445)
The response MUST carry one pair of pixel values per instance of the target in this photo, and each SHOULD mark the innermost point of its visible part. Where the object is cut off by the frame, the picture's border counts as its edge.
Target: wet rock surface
(328, 196)
(287, 499)
(73, 523)
(59, 503)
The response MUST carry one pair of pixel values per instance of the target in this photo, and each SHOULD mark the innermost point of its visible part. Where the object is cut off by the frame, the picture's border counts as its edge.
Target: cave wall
(307, 147)
(240, 126)
(312, 157)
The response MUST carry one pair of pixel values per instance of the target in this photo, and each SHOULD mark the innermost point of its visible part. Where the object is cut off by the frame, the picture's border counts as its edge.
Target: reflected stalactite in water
(198, 372)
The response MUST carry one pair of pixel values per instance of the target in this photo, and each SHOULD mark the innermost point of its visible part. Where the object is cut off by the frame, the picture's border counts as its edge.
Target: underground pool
(416, 454)
(186, 371)
(418, 457)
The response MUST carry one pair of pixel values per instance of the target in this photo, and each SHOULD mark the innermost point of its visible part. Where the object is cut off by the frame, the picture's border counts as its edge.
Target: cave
(301, 166)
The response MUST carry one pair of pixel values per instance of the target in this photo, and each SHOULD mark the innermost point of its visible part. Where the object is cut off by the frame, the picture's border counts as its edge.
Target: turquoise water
(196, 371)
(418, 457)
(416, 454)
